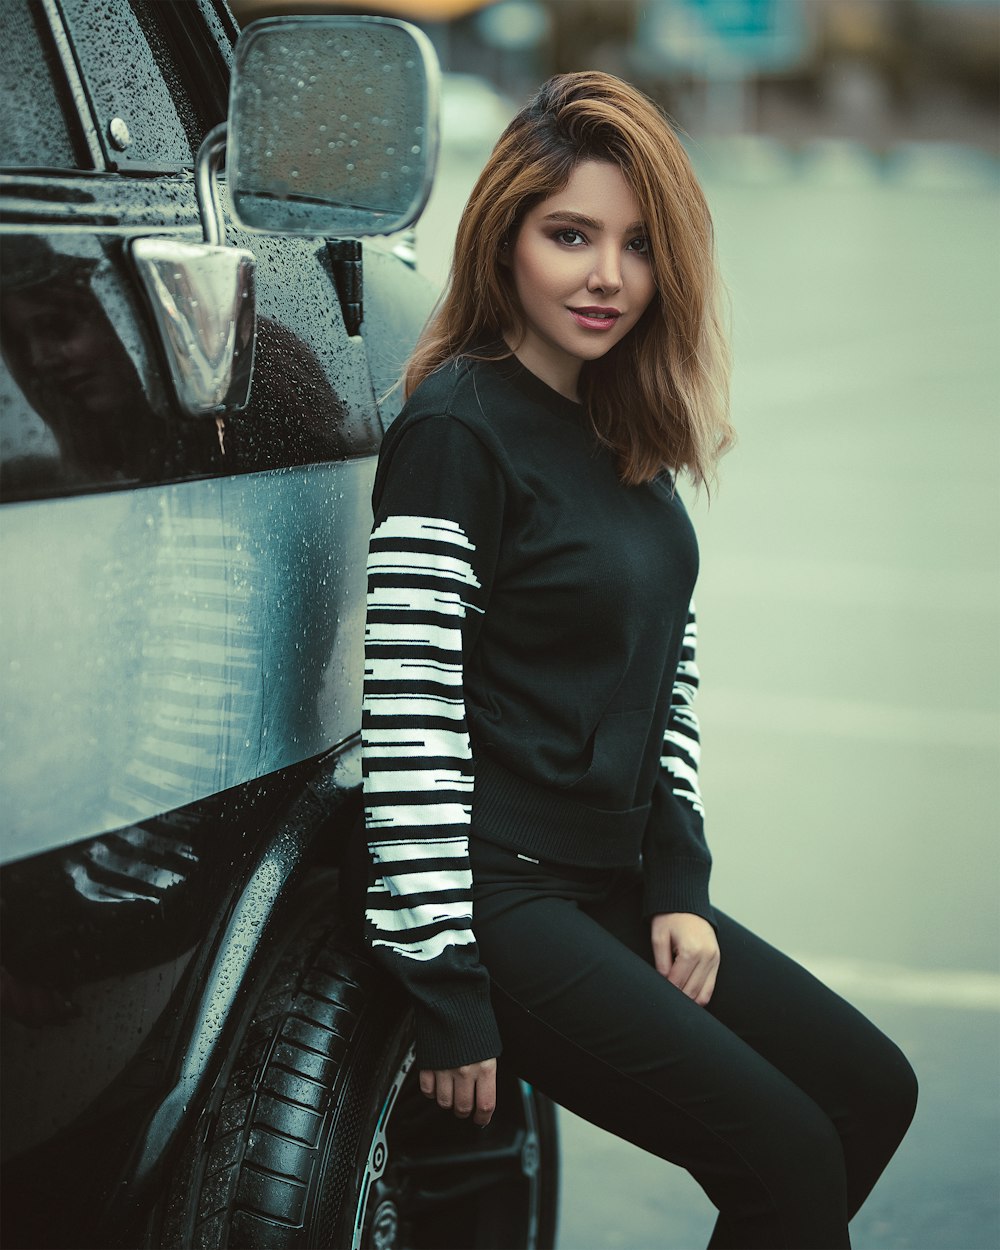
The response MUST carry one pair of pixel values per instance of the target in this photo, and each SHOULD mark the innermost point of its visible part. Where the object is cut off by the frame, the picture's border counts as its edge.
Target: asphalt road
(849, 604)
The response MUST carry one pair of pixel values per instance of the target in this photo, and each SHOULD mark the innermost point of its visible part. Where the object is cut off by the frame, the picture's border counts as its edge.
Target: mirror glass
(332, 125)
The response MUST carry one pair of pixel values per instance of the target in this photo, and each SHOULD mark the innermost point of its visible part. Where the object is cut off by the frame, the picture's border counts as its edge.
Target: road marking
(937, 987)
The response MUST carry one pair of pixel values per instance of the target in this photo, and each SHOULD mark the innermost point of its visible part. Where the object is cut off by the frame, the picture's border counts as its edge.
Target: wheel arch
(312, 831)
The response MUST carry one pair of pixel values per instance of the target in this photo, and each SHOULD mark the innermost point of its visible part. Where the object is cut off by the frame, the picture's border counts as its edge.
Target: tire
(319, 1137)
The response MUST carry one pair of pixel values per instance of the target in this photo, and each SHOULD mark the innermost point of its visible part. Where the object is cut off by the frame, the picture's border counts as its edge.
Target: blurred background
(881, 71)
(849, 598)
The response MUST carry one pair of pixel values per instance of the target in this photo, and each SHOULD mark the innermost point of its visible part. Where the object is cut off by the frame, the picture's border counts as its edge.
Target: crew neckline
(531, 385)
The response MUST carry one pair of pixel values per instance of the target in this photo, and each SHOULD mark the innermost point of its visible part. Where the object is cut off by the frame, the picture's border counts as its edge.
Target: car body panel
(163, 645)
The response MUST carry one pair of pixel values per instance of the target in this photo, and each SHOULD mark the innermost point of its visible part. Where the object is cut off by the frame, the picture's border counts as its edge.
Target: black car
(196, 1051)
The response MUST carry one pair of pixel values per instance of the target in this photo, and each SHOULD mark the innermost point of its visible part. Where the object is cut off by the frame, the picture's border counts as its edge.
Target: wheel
(433, 1183)
(318, 1135)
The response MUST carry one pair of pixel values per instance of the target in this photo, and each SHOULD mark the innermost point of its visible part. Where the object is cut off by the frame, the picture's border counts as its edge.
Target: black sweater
(529, 675)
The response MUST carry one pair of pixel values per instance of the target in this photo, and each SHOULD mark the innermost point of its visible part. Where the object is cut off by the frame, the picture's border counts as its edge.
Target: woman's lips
(595, 318)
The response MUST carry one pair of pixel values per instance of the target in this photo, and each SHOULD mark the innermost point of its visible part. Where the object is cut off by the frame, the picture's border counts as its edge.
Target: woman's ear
(505, 252)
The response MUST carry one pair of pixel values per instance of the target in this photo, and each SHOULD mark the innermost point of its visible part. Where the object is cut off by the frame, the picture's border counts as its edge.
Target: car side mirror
(332, 126)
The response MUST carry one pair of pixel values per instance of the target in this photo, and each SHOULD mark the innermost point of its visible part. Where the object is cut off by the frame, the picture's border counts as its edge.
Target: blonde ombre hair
(660, 397)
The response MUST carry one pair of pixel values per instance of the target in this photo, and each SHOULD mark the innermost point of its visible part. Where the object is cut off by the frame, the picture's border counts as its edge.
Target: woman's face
(581, 270)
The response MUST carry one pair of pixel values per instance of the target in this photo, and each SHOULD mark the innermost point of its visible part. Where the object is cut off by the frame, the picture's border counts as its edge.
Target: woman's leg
(849, 1068)
(589, 1021)
(860, 1079)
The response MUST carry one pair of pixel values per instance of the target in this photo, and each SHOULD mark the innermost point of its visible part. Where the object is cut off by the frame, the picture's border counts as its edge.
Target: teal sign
(744, 36)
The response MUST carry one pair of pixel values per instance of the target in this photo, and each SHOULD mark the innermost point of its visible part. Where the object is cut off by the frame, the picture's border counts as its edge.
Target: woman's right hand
(468, 1090)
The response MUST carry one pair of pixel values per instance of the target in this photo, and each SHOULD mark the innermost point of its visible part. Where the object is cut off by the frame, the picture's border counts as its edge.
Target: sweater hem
(520, 815)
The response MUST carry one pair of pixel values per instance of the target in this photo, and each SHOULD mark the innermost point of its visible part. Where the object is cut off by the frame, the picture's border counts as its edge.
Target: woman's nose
(606, 274)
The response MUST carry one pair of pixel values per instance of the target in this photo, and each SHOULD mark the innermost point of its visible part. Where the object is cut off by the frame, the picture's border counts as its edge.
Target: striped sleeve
(438, 508)
(676, 858)
(682, 740)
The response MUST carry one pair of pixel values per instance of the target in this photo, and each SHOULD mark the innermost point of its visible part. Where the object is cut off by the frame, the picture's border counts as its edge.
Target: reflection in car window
(125, 83)
(63, 353)
(75, 413)
(78, 411)
(33, 129)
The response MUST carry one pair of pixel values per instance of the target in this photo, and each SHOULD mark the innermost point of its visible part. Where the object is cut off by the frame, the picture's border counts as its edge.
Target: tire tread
(263, 1146)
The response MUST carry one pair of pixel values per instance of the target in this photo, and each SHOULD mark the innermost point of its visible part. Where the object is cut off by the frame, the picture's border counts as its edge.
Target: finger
(427, 1082)
(663, 958)
(464, 1098)
(486, 1098)
(680, 972)
(445, 1084)
(701, 982)
(695, 983)
(708, 989)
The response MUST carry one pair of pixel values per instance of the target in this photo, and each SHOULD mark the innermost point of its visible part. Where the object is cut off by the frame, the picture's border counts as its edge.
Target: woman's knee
(887, 1091)
(905, 1085)
(897, 1091)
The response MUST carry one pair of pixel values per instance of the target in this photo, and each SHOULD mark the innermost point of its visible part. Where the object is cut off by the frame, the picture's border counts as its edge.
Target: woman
(531, 749)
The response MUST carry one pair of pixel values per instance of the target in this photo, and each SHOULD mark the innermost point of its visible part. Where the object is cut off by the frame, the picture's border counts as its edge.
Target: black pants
(781, 1099)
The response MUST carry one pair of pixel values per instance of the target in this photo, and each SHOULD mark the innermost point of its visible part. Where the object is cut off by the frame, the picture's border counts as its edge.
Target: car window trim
(208, 84)
(85, 119)
(104, 157)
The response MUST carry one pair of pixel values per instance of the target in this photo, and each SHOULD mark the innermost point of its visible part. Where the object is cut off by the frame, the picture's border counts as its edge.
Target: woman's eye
(640, 244)
(572, 238)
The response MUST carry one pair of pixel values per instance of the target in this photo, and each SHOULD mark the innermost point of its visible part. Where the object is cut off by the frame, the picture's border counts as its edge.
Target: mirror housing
(333, 126)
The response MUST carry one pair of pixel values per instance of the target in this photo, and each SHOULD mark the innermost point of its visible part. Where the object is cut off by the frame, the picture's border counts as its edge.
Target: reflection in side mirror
(332, 126)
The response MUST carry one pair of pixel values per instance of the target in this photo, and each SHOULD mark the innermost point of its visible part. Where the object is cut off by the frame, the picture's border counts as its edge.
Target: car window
(33, 129)
(122, 54)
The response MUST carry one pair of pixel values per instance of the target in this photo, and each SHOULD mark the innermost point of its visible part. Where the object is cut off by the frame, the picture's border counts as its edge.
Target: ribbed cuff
(677, 885)
(454, 1031)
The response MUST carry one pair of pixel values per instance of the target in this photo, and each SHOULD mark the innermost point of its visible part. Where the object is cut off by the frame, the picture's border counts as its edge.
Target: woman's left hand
(686, 952)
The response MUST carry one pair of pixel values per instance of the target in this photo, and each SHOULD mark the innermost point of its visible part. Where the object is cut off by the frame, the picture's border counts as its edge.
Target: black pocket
(618, 759)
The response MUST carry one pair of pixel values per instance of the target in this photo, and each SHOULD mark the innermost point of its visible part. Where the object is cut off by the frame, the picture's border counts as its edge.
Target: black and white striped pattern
(418, 764)
(681, 741)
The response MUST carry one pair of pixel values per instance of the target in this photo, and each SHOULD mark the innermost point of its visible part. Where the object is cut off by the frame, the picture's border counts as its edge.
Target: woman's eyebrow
(580, 219)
